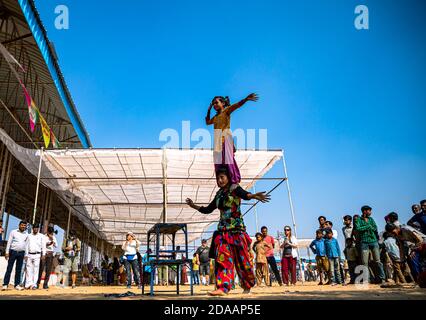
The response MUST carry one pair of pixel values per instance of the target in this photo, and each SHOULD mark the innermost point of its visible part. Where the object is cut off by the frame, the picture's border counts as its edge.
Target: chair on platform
(162, 257)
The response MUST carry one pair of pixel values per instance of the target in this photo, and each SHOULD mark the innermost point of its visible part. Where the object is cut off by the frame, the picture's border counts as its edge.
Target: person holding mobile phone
(131, 247)
(289, 257)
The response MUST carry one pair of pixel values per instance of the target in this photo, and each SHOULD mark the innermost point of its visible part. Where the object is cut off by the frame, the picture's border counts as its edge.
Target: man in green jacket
(367, 232)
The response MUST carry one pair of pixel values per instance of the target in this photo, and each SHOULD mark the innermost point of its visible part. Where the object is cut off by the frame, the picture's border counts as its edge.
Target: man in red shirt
(270, 255)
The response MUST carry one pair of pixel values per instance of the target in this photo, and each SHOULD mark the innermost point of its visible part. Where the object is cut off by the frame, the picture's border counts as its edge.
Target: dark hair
(319, 218)
(390, 227)
(328, 231)
(203, 241)
(22, 222)
(386, 235)
(364, 208)
(52, 230)
(318, 231)
(264, 227)
(258, 234)
(224, 100)
(349, 241)
(423, 201)
(223, 170)
(356, 216)
(393, 215)
(329, 222)
(347, 217)
(72, 233)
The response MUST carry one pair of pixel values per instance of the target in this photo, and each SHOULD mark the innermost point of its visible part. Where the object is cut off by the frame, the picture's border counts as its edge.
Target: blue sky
(347, 106)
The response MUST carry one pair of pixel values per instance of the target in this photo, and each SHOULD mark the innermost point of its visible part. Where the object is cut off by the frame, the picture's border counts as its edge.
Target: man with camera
(71, 249)
(46, 264)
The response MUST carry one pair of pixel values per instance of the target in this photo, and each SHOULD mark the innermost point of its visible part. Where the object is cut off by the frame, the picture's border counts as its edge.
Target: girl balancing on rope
(223, 151)
(231, 242)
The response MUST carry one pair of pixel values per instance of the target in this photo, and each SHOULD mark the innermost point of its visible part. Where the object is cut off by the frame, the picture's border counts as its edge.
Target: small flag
(55, 141)
(45, 129)
(33, 113)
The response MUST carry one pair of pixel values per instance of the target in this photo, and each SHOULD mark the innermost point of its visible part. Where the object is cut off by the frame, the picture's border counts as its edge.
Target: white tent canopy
(113, 191)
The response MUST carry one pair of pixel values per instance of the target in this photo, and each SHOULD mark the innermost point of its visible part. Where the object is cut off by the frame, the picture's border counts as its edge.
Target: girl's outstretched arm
(235, 106)
(261, 196)
(206, 210)
(209, 120)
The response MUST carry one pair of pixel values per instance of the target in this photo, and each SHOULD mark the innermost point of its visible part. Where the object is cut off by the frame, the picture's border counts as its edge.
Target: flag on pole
(55, 141)
(45, 129)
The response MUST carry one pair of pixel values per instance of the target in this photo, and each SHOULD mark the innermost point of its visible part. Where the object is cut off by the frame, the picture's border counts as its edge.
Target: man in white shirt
(15, 251)
(47, 264)
(34, 252)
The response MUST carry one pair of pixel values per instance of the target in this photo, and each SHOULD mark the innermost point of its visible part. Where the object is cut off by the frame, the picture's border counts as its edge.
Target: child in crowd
(121, 275)
(351, 254)
(85, 275)
(332, 250)
(260, 247)
(195, 270)
(318, 248)
(394, 252)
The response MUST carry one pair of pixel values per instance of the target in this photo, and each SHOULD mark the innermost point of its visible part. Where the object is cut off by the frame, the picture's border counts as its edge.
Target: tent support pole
(292, 214)
(69, 219)
(6, 184)
(38, 185)
(3, 172)
(164, 167)
(49, 212)
(7, 223)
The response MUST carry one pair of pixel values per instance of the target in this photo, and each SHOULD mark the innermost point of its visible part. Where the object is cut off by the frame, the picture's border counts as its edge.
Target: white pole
(292, 214)
(164, 167)
(69, 215)
(7, 223)
(38, 185)
(3, 173)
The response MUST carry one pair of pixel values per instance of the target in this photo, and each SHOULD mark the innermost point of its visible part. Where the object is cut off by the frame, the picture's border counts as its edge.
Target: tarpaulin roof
(114, 191)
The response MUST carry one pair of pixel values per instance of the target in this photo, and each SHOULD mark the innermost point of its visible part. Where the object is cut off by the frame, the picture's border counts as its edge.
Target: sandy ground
(304, 291)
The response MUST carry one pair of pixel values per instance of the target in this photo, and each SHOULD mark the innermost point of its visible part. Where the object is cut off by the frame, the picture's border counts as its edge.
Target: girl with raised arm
(231, 242)
(223, 150)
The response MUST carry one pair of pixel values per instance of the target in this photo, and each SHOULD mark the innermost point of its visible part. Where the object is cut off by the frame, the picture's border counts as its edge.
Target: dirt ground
(304, 291)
